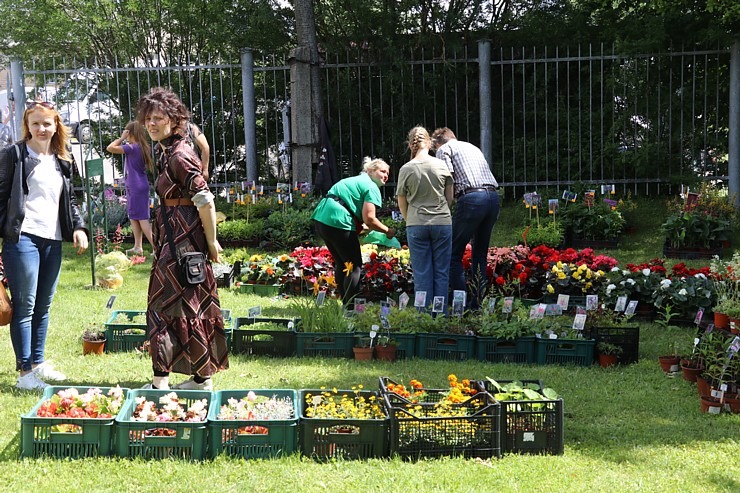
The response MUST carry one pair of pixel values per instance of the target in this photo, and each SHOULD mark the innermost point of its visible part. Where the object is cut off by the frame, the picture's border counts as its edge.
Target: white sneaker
(150, 386)
(190, 384)
(30, 381)
(47, 372)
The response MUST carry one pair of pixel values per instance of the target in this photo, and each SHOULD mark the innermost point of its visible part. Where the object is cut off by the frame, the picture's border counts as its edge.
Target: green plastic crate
(258, 342)
(451, 347)
(578, 352)
(281, 438)
(269, 290)
(325, 439)
(38, 437)
(328, 344)
(495, 350)
(190, 440)
(115, 333)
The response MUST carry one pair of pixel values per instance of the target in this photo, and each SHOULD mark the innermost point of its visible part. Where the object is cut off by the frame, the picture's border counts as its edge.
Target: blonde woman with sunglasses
(37, 211)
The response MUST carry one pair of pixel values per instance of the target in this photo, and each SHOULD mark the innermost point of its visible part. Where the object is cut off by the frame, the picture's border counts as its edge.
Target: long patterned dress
(185, 323)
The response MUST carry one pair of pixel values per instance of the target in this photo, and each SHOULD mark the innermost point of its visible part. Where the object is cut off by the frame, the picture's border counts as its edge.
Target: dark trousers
(344, 246)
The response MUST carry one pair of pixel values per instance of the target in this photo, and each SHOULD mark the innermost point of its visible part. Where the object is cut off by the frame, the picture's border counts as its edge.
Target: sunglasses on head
(45, 104)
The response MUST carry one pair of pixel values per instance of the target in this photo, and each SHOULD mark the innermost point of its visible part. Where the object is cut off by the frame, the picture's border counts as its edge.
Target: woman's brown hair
(137, 133)
(166, 102)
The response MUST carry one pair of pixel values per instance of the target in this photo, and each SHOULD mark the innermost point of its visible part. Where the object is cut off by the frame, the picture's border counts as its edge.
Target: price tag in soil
(491, 305)
(254, 312)
(438, 304)
(320, 298)
(592, 302)
(374, 331)
(563, 300)
(420, 300)
(699, 315)
(458, 302)
(631, 307)
(579, 322)
(508, 304)
(403, 301)
(111, 300)
(621, 304)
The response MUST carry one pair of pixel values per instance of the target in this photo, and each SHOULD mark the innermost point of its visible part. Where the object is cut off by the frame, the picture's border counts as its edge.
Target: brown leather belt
(178, 201)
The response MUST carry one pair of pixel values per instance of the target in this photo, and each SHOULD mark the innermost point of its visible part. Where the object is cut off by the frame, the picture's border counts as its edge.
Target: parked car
(81, 102)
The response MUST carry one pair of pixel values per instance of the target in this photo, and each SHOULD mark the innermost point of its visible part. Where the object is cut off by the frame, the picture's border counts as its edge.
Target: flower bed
(161, 424)
(71, 422)
(253, 424)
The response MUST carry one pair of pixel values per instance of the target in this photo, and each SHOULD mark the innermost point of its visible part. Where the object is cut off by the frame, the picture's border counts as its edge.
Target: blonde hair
(369, 164)
(58, 145)
(139, 134)
(418, 138)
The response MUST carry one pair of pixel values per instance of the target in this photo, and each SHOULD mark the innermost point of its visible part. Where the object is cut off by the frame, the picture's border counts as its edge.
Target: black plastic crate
(628, 338)
(258, 342)
(530, 427)
(419, 432)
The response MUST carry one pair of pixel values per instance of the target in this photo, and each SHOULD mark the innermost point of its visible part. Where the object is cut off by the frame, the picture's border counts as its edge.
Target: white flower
(646, 272)
(615, 269)
(700, 276)
(683, 292)
(631, 282)
(665, 284)
(610, 288)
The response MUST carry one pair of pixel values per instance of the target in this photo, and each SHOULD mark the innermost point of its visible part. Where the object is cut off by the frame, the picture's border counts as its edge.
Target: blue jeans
(473, 219)
(32, 267)
(430, 248)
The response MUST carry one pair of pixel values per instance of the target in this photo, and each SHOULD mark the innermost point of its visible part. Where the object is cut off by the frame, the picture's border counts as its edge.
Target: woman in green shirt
(339, 217)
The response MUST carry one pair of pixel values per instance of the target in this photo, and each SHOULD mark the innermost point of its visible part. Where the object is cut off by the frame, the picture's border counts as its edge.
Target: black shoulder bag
(192, 265)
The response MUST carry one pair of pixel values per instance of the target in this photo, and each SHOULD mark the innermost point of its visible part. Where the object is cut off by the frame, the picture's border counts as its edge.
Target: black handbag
(191, 265)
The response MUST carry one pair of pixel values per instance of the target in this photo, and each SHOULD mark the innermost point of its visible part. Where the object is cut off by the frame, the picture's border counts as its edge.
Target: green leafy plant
(598, 222)
(327, 317)
(285, 230)
(93, 334)
(609, 349)
(550, 233)
(241, 230)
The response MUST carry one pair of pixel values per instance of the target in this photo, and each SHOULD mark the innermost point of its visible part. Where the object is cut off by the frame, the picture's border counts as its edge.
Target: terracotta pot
(607, 360)
(710, 405)
(669, 364)
(733, 400)
(363, 353)
(721, 321)
(690, 371)
(385, 353)
(703, 386)
(93, 347)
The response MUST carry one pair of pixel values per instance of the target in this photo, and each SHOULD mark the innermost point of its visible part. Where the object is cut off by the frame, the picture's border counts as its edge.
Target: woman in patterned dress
(185, 325)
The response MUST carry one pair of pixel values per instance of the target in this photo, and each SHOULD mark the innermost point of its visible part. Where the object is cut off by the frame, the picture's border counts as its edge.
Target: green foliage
(550, 233)
(285, 230)
(399, 227)
(609, 349)
(598, 222)
(241, 230)
(329, 317)
(695, 229)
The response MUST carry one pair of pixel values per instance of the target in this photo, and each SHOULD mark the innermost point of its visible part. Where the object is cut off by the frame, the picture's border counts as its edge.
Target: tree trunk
(305, 93)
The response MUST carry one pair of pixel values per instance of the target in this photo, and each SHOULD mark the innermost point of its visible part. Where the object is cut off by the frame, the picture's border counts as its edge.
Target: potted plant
(93, 340)
(608, 354)
(386, 348)
(599, 224)
(669, 363)
(363, 348)
(550, 234)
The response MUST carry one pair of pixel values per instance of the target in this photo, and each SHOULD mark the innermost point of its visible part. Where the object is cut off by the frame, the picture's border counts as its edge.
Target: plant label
(714, 410)
(391, 301)
(552, 336)
(491, 305)
(374, 332)
(553, 310)
(717, 394)
(112, 299)
(710, 328)
(541, 309)
(734, 347)
(458, 302)
(699, 315)
(621, 304)
(563, 300)
(291, 325)
(385, 309)
(631, 307)
(320, 298)
(360, 305)
(420, 299)
(403, 301)
(316, 400)
(254, 312)
(438, 304)
(592, 302)
(723, 387)
(579, 322)
(508, 304)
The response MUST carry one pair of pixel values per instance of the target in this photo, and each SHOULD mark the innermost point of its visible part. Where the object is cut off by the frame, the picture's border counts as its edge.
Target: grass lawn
(626, 429)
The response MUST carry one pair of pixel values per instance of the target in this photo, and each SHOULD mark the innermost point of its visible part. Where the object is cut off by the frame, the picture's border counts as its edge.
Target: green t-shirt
(355, 191)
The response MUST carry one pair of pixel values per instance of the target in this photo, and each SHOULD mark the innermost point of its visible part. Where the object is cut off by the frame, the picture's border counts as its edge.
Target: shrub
(287, 229)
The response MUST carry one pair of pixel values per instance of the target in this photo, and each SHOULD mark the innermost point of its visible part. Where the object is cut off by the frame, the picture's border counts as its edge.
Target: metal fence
(558, 116)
